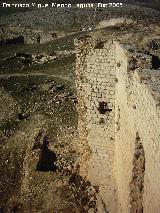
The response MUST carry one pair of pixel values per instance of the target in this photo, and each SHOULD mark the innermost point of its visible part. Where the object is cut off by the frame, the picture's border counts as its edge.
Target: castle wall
(121, 145)
(137, 94)
(99, 97)
(125, 132)
(124, 145)
(100, 88)
(100, 92)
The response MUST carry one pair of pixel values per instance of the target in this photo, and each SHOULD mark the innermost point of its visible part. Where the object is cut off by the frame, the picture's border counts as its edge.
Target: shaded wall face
(136, 113)
(147, 122)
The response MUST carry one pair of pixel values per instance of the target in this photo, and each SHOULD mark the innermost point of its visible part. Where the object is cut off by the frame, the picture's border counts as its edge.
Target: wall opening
(38, 39)
(137, 183)
(103, 107)
(155, 62)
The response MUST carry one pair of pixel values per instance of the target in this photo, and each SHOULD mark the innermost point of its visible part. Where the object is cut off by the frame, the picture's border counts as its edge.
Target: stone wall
(137, 112)
(97, 127)
(119, 120)
(8, 35)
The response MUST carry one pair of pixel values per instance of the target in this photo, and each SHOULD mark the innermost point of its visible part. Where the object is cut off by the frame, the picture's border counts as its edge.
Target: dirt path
(34, 74)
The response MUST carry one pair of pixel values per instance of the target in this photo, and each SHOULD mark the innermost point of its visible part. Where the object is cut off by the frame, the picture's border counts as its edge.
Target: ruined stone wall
(98, 94)
(9, 35)
(137, 113)
(119, 125)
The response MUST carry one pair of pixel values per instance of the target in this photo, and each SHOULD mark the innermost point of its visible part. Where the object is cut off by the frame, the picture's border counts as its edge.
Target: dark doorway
(155, 62)
(103, 107)
(39, 39)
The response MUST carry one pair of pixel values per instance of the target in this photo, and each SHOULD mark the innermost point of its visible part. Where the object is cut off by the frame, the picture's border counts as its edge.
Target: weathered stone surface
(108, 140)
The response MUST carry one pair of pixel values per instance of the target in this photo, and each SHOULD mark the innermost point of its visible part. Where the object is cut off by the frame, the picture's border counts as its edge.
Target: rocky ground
(43, 25)
(39, 158)
(38, 131)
